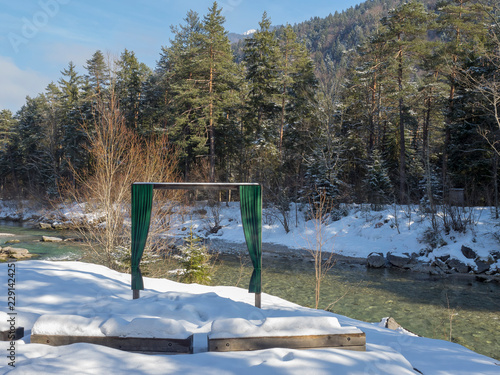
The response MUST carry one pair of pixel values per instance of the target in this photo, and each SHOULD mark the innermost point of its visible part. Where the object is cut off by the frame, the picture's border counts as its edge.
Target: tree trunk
(402, 146)
(211, 127)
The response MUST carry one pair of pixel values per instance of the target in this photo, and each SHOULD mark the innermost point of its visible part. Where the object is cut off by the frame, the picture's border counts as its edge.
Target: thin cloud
(17, 84)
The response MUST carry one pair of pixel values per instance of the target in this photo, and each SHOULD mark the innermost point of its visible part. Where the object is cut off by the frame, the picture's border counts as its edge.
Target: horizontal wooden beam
(131, 344)
(351, 341)
(197, 185)
(9, 335)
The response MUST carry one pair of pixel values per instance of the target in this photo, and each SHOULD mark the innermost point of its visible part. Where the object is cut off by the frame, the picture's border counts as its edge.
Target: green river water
(438, 307)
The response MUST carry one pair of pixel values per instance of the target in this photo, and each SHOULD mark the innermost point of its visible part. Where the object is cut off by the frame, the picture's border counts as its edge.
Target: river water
(456, 308)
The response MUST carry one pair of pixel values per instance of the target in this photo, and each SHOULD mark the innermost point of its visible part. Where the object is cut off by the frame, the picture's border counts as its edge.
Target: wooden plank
(352, 341)
(12, 336)
(197, 185)
(131, 344)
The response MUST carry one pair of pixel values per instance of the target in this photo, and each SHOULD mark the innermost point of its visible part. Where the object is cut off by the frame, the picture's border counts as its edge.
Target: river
(452, 307)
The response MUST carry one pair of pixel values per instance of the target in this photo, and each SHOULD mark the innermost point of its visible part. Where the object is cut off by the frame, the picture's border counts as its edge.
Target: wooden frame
(199, 186)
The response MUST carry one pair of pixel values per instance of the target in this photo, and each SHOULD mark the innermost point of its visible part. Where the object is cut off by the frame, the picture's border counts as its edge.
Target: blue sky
(38, 38)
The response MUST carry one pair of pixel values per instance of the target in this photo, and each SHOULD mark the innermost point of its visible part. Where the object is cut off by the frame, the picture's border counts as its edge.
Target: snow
(283, 326)
(250, 32)
(75, 325)
(88, 298)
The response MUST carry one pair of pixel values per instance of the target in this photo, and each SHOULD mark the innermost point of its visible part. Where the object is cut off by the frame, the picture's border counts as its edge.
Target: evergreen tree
(261, 59)
(98, 75)
(377, 181)
(70, 121)
(461, 26)
(32, 167)
(221, 80)
(7, 123)
(176, 69)
(406, 31)
(194, 260)
(129, 85)
(203, 79)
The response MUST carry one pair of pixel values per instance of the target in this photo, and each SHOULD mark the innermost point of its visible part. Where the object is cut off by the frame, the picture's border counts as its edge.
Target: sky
(38, 38)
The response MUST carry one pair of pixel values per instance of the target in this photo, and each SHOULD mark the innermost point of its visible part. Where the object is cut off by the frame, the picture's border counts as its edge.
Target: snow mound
(283, 326)
(75, 325)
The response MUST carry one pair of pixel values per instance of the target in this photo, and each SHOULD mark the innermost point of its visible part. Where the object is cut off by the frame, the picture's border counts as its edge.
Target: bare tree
(118, 158)
(319, 241)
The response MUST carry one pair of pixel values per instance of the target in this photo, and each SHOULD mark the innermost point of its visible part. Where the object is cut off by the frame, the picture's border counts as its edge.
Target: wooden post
(258, 300)
(136, 293)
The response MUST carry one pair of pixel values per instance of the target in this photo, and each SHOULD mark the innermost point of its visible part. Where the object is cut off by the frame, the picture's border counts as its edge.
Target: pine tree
(377, 182)
(406, 31)
(261, 59)
(175, 67)
(194, 260)
(221, 80)
(98, 75)
(130, 77)
(7, 123)
(32, 167)
(203, 79)
(461, 26)
(70, 121)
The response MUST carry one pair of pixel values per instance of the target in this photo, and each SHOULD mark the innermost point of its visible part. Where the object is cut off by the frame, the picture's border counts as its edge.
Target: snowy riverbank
(398, 236)
(93, 291)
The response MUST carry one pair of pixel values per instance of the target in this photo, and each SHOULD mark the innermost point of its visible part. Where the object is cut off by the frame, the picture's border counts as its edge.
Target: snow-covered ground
(90, 298)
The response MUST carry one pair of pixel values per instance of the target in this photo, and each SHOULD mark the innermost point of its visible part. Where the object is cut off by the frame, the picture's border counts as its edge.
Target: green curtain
(251, 217)
(142, 201)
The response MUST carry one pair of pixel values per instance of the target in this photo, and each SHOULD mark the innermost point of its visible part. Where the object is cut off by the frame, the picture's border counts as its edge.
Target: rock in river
(51, 239)
(375, 260)
(458, 265)
(398, 260)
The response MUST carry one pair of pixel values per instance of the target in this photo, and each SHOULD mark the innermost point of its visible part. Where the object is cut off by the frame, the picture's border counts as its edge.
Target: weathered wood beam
(351, 341)
(131, 344)
(197, 185)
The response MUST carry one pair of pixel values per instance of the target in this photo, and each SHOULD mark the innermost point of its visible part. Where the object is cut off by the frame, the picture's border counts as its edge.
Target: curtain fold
(251, 217)
(142, 201)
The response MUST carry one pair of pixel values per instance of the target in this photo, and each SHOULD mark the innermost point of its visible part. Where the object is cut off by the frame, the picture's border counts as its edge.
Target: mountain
(329, 38)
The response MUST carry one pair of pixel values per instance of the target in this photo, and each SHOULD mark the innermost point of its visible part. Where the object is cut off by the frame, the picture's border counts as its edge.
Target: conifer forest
(388, 101)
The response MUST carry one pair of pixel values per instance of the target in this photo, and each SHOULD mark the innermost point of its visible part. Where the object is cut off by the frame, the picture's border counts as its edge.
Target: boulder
(398, 260)
(12, 241)
(444, 258)
(45, 226)
(17, 253)
(495, 254)
(482, 265)
(61, 226)
(439, 264)
(375, 260)
(421, 267)
(51, 239)
(468, 252)
(457, 265)
(392, 324)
